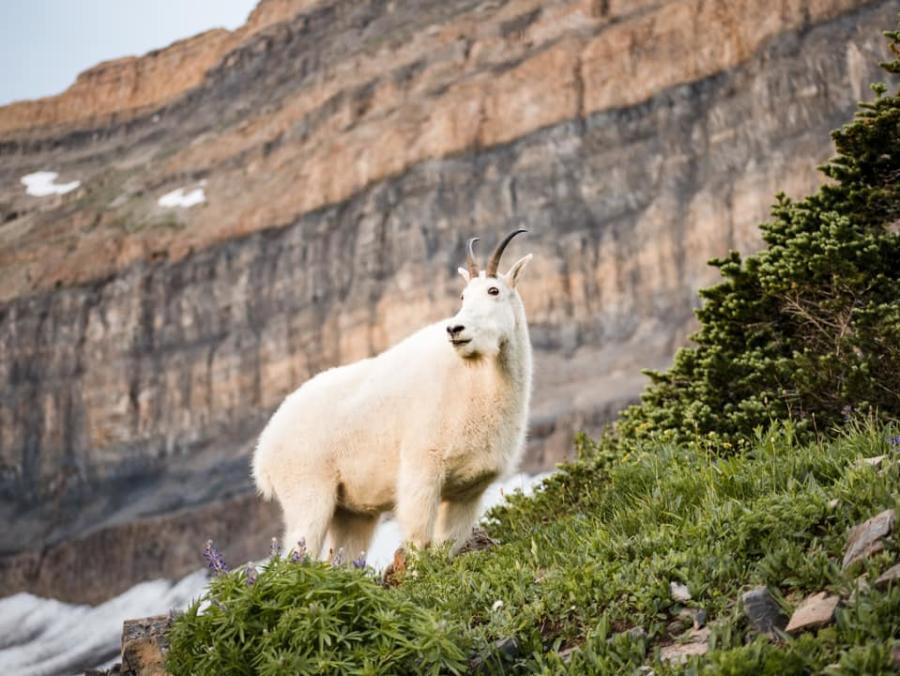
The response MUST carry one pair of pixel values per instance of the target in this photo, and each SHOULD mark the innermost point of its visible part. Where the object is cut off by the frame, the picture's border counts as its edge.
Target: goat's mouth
(460, 341)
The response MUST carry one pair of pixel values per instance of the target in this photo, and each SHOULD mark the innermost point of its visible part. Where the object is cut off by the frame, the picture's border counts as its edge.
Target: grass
(592, 555)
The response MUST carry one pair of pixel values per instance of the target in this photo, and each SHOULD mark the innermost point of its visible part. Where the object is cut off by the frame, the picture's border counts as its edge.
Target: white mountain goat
(422, 429)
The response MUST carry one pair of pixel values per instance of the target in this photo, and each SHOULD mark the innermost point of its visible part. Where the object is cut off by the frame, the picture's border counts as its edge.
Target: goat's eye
(493, 291)
(462, 296)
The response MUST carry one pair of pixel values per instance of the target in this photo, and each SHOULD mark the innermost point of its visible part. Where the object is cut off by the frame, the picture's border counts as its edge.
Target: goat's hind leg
(350, 533)
(455, 521)
(308, 510)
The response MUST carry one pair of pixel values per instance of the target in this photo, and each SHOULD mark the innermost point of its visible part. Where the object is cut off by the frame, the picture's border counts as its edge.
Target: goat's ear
(465, 274)
(512, 277)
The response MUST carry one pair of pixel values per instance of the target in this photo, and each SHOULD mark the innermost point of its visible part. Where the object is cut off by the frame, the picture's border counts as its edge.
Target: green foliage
(589, 557)
(593, 553)
(808, 328)
(308, 617)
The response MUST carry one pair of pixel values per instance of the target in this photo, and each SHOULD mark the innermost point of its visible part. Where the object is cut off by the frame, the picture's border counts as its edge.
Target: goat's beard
(476, 350)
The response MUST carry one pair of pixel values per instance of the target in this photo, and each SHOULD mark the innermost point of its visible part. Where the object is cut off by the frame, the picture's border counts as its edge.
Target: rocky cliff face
(338, 154)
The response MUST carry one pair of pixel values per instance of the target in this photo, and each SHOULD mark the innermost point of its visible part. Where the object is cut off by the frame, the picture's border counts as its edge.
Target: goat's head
(491, 306)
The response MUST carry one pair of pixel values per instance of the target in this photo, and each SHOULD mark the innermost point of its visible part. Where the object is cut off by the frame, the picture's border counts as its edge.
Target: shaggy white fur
(421, 429)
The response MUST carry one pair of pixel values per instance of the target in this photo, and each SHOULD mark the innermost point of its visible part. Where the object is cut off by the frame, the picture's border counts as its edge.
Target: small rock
(144, 645)
(875, 462)
(676, 628)
(832, 504)
(508, 647)
(888, 577)
(864, 539)
(637, 633)
(696, 616)
(478, 541)
(698, 644)
(815, 612)
(763, 611)
(566, 655)
(679, 592)
(680, 652)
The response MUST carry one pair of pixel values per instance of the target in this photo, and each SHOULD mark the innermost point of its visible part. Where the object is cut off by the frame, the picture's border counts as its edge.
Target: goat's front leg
(418, 496)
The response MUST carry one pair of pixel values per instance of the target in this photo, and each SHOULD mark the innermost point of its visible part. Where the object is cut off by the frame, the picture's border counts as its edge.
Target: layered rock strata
(343, 152)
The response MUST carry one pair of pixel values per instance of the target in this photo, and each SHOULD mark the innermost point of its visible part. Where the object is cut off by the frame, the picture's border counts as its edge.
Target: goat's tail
(261, 476)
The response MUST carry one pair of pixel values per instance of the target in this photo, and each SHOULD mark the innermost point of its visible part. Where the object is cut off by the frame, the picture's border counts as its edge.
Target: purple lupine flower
(895, 441)
(214, 560)
(251, 576)
(299, 554)
(360, 563)
(274, 548)
(846, 412)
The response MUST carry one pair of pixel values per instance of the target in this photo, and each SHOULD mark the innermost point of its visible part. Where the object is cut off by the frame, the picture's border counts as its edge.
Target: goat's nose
(453, 330)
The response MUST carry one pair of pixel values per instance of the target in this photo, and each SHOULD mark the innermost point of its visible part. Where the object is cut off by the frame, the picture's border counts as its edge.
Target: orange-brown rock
(117, 89)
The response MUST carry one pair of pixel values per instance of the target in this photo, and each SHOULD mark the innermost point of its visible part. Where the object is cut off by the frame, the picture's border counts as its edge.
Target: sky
(44, 44)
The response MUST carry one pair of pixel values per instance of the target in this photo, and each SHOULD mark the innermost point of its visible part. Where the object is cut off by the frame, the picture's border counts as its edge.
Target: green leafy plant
(297, 616)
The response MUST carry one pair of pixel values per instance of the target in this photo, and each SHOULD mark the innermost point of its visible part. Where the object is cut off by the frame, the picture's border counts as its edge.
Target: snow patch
(180, 198)
(43, 183)
(43, 636)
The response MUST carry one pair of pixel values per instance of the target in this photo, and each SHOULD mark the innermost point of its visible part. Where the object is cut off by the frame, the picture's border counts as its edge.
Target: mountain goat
(421, 429)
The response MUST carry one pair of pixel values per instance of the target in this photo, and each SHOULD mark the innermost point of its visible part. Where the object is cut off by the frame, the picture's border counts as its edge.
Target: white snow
(43, 183)
(41, 636)
(180, 198)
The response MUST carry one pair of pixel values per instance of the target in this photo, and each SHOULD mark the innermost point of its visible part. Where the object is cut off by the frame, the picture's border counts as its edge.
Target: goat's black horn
(494, 260)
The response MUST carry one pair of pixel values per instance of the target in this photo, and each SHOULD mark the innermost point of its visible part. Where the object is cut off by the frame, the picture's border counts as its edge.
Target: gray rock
(864, 539)
(815, 612)
(888, 577)
(677, 653)
(676, 627)
(762, 611)
(679, 592)
(478, 541)
(695, 616)
(875, 462)
(637, 633)
(507, 648)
